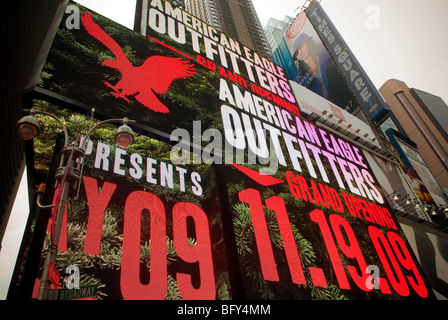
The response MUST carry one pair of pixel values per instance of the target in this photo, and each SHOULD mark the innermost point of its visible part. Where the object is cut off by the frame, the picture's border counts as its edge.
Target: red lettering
(349, 204)
(389, 221)
(201, 252)
(362, 209)
(389, 262)
(131, 286)
(304, 188)
(289, 244)
(292, 183)
(317, 197)
(364, 206)
(350, 249)
(318, 216)
(265, 252)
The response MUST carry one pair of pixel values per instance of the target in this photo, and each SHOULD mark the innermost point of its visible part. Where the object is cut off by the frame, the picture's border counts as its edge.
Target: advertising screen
(142, 228)
(319, 228)
(292, 209)
(311, 102)
(166, 79)
(308, 63)
(400, 188)
(366, 93)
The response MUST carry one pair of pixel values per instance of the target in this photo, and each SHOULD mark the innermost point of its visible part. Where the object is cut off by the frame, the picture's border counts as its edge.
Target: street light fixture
(28, 127)
(67, 175)
(124, 135)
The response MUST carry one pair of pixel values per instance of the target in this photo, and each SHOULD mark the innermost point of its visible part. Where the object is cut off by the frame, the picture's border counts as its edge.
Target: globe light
(124, 136)
(28, 127)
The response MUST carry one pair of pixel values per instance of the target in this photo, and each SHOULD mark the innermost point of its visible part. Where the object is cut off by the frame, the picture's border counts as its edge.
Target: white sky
(410, 45)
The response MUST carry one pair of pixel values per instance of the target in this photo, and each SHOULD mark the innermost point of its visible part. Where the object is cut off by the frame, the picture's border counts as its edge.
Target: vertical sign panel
(143, 228)
(368, 96)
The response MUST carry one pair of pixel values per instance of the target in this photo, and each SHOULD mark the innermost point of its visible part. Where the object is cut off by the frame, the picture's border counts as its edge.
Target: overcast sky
(407, 41)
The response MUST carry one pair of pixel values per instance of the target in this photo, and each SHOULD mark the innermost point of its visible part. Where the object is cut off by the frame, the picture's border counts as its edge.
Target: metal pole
(44, 290)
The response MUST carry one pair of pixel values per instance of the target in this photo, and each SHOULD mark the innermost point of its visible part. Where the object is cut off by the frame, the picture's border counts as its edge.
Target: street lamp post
(67, 175)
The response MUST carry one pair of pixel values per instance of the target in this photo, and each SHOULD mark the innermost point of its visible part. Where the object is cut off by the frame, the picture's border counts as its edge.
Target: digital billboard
(142, 228)
(367, 95)
(319, 228)
(432, 251)
(166, 79)
(308, 63)
(312, 103)
(293, 209)
(396, 182)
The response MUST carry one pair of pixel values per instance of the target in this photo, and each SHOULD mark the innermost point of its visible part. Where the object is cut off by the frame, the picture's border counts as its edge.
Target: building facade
(423, 117)
(275, 31)
(21, 42)
(237, 19)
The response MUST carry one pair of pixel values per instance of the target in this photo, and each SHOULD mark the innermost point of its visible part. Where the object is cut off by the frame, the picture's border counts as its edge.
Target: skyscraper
(423, 117)
(236, 18)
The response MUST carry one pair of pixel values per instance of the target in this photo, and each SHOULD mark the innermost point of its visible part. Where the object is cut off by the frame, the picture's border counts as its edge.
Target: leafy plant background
(104, 270)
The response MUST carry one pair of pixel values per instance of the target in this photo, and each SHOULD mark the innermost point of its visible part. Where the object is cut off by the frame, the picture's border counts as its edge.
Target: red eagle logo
(155, 75)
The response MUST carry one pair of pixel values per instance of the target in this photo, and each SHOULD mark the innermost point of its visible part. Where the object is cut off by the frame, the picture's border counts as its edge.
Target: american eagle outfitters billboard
(166, 79)
(142, 228)
(308, 219)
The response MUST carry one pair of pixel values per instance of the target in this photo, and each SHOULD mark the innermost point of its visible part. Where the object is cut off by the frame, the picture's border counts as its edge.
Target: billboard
(311, 102)
(294, 210)
(367, 95)
(425, 184)
(432, 252)
(166, 79)
(319, 228)
(395, 181)
(142, 228)
(308, 63)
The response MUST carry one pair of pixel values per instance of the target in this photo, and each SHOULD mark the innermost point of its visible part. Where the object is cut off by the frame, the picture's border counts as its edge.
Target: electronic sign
(423, 180)
(368, 96)
(319, 228)
(395, 181)
(308, 63)
(142, 228)
(166, 79)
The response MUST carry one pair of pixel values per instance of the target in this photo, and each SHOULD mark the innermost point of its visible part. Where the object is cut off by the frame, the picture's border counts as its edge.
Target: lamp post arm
(86, 138)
